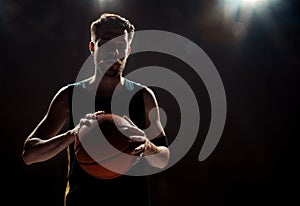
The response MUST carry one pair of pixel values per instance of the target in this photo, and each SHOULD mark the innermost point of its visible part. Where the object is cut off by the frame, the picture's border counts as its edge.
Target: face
(111, 50)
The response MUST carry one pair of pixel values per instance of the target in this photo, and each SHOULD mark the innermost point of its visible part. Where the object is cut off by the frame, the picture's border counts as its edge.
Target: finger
(123, 129)
(134, 128)
(99, 112)
(90, 116)
(128, 120)
(138, 150)
(85, 122)
(81, 122)
(99, 116)
(135, 138)
(131, 131)
(76, 128)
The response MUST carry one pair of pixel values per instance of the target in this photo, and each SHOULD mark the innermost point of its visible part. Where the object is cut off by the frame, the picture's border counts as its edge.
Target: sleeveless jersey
(85, 190)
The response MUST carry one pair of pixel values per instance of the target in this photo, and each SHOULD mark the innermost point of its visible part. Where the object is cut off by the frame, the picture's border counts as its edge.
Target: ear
(92, 47)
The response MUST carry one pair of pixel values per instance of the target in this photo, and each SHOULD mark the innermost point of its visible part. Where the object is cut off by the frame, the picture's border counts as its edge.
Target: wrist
(73, 133)
(155, 149)
(151, 149)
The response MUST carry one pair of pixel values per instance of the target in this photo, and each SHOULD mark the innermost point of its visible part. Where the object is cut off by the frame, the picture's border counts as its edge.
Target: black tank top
(85, 190)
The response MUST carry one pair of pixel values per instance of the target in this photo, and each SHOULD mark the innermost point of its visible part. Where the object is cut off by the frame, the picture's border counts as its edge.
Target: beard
(111, 68)
(116, 69)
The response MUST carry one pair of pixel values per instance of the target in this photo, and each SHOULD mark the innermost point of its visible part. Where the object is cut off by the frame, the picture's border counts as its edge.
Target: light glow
(254, 3)
(237, 14)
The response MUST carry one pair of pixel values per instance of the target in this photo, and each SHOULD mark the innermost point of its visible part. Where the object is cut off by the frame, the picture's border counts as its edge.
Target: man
(47, 140)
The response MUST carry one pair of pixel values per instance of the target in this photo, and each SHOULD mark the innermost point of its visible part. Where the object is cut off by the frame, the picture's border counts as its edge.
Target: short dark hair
(114, 18)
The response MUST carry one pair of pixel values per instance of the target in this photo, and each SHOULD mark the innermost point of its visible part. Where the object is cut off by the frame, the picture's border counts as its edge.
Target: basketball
(104, 157)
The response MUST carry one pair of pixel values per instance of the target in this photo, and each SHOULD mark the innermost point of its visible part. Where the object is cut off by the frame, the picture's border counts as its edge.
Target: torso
(83, 187)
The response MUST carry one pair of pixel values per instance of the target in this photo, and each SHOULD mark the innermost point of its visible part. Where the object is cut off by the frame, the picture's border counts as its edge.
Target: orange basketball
(103, 157)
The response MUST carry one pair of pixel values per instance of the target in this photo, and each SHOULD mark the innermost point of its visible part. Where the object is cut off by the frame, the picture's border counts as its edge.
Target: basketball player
(47, 140)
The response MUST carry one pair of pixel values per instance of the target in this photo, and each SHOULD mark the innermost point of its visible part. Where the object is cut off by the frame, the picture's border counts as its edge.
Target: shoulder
(64, 94)
(132, 85)
(81, 84)
(148, 92)
(71, 87)
(149, 98)
(67, 90)
(135, 86)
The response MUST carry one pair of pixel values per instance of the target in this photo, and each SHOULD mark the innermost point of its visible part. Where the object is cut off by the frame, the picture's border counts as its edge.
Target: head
(111, 36)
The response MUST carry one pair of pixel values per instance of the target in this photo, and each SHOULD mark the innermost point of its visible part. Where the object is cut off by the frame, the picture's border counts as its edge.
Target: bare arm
(153, 130)
(44, 142)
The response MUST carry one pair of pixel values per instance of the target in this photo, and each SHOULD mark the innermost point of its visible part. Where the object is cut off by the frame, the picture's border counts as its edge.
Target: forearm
(159, 158)
(38, 150)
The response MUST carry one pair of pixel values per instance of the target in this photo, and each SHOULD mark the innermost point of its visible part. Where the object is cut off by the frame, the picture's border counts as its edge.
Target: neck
(105, 85)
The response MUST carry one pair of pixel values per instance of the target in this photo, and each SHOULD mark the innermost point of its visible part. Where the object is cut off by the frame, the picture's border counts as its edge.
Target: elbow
(162, 165)
(27, 153)
(165, 160)
(26, 157)
(161, 159)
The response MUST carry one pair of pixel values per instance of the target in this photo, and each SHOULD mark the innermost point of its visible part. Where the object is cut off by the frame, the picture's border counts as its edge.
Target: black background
(44, 44)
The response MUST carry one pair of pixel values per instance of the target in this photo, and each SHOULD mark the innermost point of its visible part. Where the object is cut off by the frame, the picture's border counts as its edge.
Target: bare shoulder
(59, 107)
(61, 97)
(62, 92)
(152, 120)
(149, 96)
(148, 91)
(55, 117)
